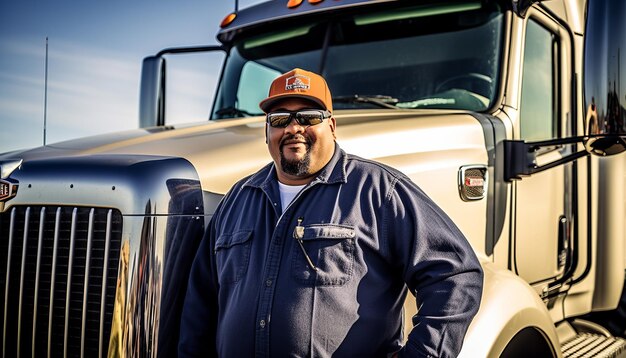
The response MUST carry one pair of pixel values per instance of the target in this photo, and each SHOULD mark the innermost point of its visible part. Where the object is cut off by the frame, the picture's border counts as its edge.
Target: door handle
(563, 251)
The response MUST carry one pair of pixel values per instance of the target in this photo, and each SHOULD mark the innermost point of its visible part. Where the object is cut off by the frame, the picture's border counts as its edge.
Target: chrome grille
(58, 272)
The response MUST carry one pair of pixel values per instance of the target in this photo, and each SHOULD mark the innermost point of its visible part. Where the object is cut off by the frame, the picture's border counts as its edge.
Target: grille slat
(59, 280)
(37, 273)
(6, 289)
(70, 262)
(57, 225)
(107, 247)
(86, 284)
(22, 273)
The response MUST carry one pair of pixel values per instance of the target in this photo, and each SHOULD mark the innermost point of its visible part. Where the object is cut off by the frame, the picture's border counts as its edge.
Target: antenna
(236, 5)
(45, 95)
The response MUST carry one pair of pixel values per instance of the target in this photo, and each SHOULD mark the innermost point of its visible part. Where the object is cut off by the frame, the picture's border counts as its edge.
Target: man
(313, 255)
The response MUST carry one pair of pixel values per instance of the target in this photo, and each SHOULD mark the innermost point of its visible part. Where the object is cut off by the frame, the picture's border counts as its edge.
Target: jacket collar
(333, 172)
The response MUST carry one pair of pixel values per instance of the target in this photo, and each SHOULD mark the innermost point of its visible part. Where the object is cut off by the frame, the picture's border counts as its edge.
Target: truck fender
(511, 316)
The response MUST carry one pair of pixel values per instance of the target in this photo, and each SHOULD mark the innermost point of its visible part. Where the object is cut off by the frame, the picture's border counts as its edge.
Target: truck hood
(226, 150)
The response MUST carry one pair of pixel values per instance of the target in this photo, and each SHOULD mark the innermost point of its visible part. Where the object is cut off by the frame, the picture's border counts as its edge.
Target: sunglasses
(305, 117)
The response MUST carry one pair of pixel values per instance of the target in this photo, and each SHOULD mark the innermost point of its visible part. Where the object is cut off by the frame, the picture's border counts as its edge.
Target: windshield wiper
(234, 111)
(379, 100)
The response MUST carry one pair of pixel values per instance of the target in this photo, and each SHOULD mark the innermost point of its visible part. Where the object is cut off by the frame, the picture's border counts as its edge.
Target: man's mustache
(296, 138)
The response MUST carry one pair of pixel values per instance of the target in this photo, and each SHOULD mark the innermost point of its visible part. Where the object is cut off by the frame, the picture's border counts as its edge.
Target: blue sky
(94, 63)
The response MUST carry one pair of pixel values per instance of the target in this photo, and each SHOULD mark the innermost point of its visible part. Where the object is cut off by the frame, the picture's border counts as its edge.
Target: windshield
(443, 55)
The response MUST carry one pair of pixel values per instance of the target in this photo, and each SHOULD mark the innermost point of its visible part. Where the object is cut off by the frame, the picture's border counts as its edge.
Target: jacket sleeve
(439, 267)
(200, 311)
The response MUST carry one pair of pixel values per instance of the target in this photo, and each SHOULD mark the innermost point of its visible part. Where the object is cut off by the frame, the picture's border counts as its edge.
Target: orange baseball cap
(302, 84)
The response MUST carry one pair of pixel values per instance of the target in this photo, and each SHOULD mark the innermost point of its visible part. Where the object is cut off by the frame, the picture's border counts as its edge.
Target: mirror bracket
(521, 157)
(520, 7)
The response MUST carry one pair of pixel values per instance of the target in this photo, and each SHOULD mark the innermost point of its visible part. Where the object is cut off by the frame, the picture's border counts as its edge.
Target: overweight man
(314, 254)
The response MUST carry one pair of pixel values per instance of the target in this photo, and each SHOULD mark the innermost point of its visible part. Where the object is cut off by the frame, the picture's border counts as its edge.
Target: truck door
(543, 210)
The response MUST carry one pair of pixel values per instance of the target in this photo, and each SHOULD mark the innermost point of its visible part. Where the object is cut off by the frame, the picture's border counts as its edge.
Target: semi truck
(509, 114)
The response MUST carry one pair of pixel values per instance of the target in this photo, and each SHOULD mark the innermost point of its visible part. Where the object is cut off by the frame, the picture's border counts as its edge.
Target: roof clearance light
(294, 3)
(315, 1)
(228, 19)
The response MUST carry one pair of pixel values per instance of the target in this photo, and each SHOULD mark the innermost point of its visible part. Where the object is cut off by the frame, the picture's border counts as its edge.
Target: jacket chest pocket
(330, 248)
(232, 254)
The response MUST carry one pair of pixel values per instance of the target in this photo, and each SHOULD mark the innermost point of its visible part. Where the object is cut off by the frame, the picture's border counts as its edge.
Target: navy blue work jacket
(371, 233)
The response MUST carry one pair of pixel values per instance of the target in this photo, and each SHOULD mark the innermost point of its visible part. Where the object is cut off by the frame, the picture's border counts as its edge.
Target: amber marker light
(294, 3)
(315, 1)
(228, 19)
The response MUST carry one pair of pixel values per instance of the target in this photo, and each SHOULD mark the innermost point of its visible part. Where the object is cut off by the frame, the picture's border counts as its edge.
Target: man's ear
(333, 125)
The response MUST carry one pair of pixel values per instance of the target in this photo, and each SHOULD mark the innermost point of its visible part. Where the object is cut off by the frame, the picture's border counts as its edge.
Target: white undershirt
(287, 193)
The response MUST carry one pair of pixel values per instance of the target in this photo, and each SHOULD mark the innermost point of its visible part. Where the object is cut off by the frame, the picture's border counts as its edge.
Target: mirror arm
(178, 50)
(566, 159)
(534, 146)
(521, 157)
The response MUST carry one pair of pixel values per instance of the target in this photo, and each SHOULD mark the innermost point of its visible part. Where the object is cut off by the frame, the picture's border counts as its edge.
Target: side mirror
(605, 77)
(152, 89)
(604, 93)
(152, 92)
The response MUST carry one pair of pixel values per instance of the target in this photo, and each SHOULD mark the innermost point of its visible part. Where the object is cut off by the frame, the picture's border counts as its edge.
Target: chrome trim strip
(19, 311)
(69, 281)
(42, 217)
(6, 288)
(104, 280)
(86, 285)
(57, 224)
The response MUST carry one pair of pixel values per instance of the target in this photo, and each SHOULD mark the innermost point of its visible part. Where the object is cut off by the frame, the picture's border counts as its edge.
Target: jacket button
(262, 324)
(268, 283)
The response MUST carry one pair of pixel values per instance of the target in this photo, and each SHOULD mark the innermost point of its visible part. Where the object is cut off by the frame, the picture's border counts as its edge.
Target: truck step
(594, 345)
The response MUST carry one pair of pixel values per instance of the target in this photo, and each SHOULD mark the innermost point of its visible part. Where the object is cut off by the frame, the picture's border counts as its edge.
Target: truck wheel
(528, 342)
